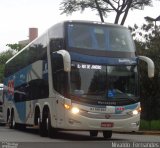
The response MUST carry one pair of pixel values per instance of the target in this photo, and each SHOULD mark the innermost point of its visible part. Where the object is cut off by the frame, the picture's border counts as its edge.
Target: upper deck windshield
(96, 82)
(99, 37)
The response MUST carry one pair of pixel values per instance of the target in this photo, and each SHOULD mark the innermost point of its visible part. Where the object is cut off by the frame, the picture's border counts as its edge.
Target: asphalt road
(30, 138)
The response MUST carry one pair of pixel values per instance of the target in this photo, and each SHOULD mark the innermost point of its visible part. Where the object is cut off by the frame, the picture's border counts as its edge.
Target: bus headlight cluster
(136, 111)
(74, 110)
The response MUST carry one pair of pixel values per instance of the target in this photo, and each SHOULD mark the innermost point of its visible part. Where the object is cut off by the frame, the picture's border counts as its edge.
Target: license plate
(107, 124)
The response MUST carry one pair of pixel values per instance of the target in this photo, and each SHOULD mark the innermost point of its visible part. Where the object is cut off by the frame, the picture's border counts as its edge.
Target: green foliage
(155, 125)
(144, 125)
(150, 125)
(16, 47)
(148, 44)
(4, 56)
(1, 73)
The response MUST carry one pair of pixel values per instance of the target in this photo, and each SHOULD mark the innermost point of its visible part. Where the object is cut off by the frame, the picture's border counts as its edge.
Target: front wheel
(42, 127)
(52, 132)
(45, 127)
(107, 134)
(49, 126)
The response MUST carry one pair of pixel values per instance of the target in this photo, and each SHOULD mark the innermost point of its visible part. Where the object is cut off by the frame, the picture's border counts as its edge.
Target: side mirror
(150, 64)
(66, 59)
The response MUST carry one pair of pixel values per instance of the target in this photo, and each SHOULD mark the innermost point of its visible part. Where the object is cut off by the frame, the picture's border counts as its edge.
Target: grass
(150, 125)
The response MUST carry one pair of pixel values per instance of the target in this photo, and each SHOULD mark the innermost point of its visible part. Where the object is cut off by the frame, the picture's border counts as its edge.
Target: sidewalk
(141, 133)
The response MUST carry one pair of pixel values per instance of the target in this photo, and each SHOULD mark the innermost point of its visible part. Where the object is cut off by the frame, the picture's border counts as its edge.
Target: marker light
(66, 106)
(75, 110)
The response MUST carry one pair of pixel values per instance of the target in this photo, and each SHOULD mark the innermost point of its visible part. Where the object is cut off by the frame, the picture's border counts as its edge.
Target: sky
(17, 16)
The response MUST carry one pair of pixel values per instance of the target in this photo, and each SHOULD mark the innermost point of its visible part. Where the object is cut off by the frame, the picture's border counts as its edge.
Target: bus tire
(49, 126)
(52, 132)
(8, 117)
(12, 123)
(93, 133)
(42, 128)
(107, 134)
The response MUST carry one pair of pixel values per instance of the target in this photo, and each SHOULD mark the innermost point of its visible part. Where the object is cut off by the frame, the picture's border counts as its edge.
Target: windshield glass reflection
(103, 82)
(99, 37)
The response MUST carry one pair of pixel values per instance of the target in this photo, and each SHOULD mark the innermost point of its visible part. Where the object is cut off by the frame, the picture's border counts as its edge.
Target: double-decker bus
(79, 75)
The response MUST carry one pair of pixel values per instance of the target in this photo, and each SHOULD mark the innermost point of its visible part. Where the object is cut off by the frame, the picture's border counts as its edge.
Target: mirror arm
(150, 64)
(66, 59)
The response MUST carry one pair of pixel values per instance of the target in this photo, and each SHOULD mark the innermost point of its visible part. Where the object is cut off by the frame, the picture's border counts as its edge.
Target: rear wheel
(8, 117)
(12, 123)
(107, 134)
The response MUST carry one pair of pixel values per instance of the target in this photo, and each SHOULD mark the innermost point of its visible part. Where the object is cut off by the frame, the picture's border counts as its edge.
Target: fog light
(75, 110)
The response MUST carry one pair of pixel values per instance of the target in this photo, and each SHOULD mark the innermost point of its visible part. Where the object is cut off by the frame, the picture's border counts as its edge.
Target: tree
(147, 43)
(4, 56)
(16, 47)
(120, 7)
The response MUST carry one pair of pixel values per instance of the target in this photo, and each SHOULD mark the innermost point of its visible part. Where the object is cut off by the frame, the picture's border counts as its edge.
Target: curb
(141, 133)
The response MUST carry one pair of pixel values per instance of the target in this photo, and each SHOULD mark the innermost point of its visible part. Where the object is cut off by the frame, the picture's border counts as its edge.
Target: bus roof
(94, 22)
(63, 22)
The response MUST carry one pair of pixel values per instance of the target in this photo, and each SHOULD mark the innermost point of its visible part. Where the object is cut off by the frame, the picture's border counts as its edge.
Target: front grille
(104, 115)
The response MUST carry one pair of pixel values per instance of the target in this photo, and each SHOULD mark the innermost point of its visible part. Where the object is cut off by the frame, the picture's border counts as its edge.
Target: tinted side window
(60, 78)
(56, 44)
(34, 52)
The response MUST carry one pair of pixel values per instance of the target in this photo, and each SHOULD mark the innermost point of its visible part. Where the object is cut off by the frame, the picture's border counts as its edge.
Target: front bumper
(81, 122)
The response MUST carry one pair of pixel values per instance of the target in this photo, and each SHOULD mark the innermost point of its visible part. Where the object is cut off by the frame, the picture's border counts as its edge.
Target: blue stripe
(21, 110)
(102, 60)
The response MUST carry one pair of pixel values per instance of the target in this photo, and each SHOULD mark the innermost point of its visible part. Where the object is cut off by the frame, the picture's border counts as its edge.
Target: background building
(33, 33)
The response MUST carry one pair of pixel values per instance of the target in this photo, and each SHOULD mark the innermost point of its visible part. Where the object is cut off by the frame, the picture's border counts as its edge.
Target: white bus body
(56, 84)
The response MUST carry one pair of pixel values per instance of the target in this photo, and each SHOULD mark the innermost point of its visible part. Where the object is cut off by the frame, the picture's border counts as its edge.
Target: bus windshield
(103, 82)
(99, 37)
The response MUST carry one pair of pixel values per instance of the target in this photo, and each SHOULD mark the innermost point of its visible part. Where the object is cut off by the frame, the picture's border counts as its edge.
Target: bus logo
(107, 116)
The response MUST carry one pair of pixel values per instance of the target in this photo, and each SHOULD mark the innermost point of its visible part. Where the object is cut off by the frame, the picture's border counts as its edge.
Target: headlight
(75, 110)
(136, 111)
